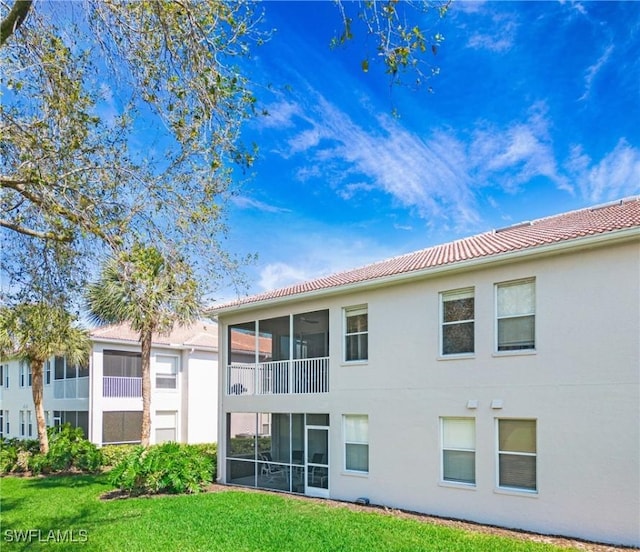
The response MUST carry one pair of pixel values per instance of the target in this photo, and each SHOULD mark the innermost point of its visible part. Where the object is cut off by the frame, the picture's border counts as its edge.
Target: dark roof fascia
(576, 244)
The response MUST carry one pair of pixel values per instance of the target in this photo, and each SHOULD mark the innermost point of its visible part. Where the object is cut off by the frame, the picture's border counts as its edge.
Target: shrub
(165, 468)
(68, 450)
(15, 454)
(210, 450)
(112, 455)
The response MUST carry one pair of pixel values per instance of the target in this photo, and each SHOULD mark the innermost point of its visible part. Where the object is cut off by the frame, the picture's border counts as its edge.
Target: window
(457, 309)
(5, 428)
(459, 450)
(75, 418)
(59, 368)
(2, 423)
(515, 307)
(23, 428)
(165, 423)
(356, 443)
(29, 424)
(47, 372)
(166, 372)
(121, 364)
(517, 454)
(121, 427)
(356, 344)
(5, 378)
(25, 373)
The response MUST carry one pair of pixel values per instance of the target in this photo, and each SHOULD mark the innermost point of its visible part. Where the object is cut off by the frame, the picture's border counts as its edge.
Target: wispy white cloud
(616, 175)
(244, 202)
(280, 114)
(277, 275)
(577, 6)
(350, 190)
(500, 35)
(516, 154)
(318, 253)
(592, 72)
(426, 175)
(470, 7)
(436, 176)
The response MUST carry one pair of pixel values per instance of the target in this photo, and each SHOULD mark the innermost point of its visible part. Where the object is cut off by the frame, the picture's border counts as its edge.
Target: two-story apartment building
(495, 379)
(104, 397)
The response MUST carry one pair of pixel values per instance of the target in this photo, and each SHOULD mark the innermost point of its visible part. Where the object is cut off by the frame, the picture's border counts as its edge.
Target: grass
(69, 508)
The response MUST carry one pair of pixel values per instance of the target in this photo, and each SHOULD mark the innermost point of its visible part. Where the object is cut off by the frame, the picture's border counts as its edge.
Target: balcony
(72, 388)
(113, 386)
(300, 376)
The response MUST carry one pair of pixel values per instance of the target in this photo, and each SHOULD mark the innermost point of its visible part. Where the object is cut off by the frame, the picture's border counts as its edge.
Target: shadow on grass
(68, 480)
(79, 517)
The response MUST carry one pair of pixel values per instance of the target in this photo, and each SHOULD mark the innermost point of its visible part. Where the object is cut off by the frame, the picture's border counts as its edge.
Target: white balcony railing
(72, 388)
(113, 386)
(308, 375)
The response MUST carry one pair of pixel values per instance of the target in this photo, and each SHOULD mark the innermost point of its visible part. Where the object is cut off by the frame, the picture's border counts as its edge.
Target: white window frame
(159, 424)
(24, 370)
(5, 382)
(2, 423)
(346, 441)
(498, 317)
(468, 292)
(7, 425)
(354, 311)
(47, 372)
(509, 488)
(3, 374)
(30, 423)
(173, 376)
(444, 448)
(22, 420)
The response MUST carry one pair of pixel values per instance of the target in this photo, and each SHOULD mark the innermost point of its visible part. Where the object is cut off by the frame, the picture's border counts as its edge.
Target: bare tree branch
(64, 237)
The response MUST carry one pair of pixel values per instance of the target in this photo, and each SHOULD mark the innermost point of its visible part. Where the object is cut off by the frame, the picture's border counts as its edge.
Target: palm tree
(35, 332)
(152, 292)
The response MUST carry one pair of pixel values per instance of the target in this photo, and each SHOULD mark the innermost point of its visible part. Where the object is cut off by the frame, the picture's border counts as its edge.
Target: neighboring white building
(104, 398)
(494, 379)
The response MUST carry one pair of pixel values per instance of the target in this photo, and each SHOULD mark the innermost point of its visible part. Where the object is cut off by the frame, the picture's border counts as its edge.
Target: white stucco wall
(194, 400)
(581, 385)
(202, 392)
(17, 398)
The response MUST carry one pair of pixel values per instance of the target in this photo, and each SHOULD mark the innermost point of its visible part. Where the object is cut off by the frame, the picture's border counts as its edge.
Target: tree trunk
(145, 341)
(37, 369)
(14, 19)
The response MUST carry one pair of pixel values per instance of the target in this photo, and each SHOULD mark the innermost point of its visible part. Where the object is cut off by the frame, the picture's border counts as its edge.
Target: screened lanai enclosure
(288, 354)
(280, 451)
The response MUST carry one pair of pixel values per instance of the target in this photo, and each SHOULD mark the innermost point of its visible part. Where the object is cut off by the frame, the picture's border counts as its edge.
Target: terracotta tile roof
(198, 335)
(242, 343)
(621, 215)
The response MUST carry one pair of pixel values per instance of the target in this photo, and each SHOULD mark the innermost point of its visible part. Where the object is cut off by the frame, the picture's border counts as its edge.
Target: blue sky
(536, 111)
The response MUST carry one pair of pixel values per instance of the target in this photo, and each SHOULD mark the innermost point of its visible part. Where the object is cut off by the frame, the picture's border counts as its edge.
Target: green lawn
(69, 509)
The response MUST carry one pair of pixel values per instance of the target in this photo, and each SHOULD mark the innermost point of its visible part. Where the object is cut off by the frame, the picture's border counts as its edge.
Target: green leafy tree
(404, 35)
(120, 122)
(84, 86)
(34, 332)
(152, 291)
